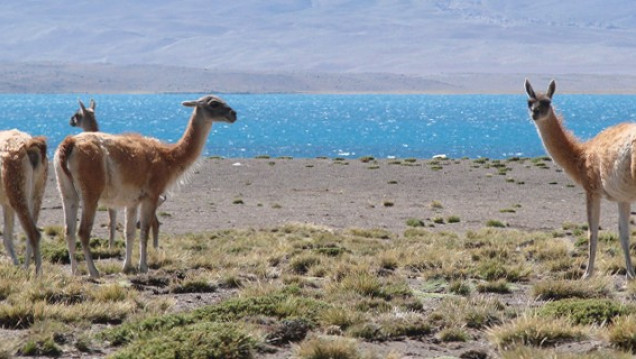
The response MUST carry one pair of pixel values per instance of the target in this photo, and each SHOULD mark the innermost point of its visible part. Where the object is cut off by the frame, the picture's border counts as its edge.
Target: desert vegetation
(315, 292)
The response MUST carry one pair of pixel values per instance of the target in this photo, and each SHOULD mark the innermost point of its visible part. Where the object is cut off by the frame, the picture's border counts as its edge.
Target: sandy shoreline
(262, 193)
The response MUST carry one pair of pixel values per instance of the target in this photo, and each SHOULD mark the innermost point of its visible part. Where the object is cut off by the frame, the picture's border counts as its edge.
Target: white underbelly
(619, 184)
(620, 192)
(119, 196)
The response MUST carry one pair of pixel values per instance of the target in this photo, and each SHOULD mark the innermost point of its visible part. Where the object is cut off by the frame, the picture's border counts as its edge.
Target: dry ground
(379, 259)
(257, 193)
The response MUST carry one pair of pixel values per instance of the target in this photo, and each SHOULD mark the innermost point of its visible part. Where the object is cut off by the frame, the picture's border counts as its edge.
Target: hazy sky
(402, 36)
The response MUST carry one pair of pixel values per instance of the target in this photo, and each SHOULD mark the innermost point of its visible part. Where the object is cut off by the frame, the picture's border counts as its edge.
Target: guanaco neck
(89, 124)
(188, 149)
(566, 150)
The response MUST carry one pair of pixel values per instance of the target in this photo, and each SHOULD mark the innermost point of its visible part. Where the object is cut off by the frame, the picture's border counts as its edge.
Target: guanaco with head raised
(604, 166)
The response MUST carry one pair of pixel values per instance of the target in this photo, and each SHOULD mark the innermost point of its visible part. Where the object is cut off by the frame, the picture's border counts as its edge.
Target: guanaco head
(213, 108)
(85, 117)
(540, 104)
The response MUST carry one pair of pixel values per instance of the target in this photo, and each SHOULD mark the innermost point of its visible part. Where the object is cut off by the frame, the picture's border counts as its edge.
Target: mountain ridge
(108, 78)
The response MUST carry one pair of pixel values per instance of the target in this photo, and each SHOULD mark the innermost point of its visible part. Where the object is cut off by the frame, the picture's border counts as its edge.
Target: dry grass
(295, 283)
(477, 312)
(555, 289)
(536, 331)
(623, 333)
(537, 353)
(324, 347)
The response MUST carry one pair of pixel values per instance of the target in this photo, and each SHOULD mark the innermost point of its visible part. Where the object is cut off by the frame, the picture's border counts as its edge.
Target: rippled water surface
(307, 126)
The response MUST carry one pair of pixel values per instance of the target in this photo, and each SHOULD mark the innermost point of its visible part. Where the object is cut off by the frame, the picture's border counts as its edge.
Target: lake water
(307, 126)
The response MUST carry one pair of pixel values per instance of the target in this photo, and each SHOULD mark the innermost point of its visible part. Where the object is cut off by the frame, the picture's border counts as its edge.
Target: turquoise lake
(350, 126)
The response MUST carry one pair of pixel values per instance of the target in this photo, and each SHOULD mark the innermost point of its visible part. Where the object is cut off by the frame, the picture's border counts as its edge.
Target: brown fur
(85, 118)
(37, 149)
(24, 172)
(63, 151)
(605, 166)
(130, 171)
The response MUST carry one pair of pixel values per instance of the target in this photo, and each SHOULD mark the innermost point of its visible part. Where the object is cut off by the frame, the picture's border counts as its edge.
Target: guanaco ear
(82, 106)
(551, 89)
(190, 103)
(92, 105)
(529, 90)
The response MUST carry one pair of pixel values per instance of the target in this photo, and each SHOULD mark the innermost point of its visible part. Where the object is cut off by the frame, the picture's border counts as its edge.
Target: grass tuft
(556, 289)
(459, 287)
(327, 347)
(302, 264)
(500, 286)
(536, 331)
(524, 352)
(495, 223)
(623, 333)
(453, 335)
(47, 348)
(19, 316)
(453, 219)
(415, 222)
(194, 286)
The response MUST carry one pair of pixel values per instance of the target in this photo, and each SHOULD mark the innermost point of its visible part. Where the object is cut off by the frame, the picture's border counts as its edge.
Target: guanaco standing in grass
(23, 173)
(129, 171)
(85, 119)
(604, 166)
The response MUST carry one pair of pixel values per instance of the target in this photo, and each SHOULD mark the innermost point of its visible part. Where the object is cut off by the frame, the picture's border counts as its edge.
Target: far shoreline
(104, 78)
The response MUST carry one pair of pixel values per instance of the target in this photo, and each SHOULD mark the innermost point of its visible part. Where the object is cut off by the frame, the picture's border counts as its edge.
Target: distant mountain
(104, 78)
(411, 37)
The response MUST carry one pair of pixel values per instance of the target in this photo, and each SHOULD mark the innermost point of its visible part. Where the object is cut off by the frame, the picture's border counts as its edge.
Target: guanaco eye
(530, 102)
(215, 104)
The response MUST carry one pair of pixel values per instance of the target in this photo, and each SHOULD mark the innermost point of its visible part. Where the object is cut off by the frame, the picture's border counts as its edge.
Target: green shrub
(201, 340)
(414, 222)
(453, 219)
(46, 348)
(495, 223)
(586, 311)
